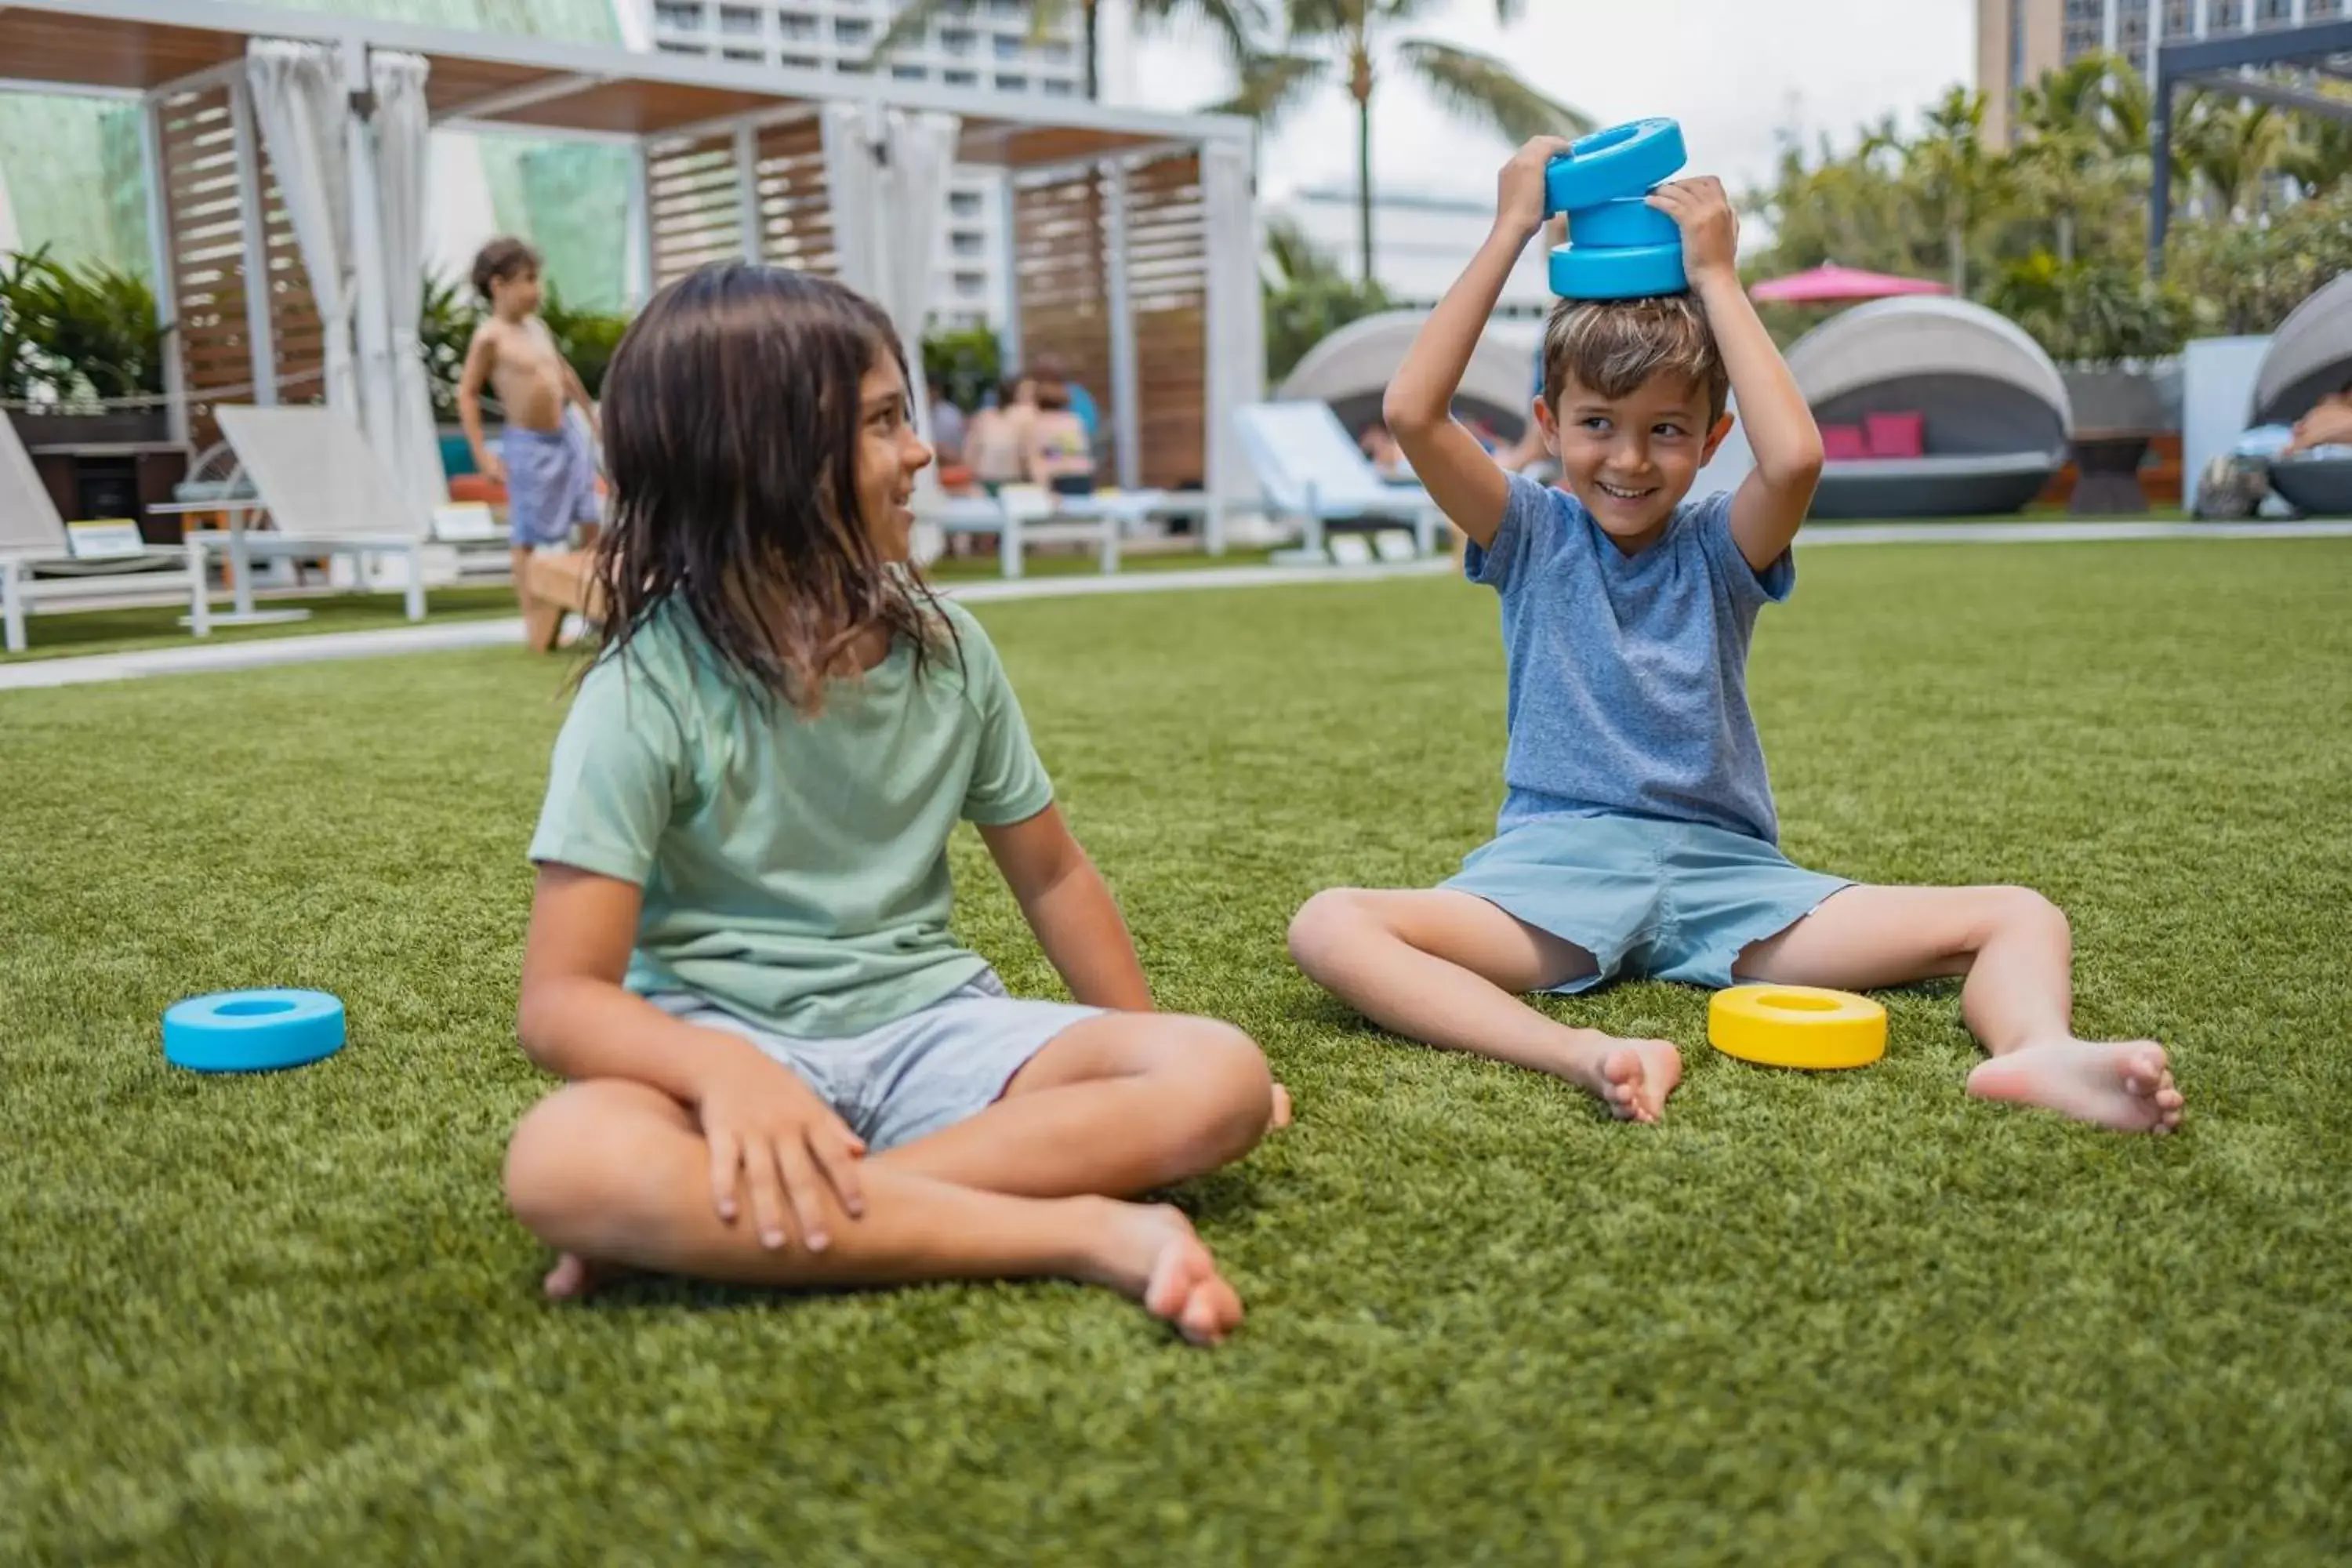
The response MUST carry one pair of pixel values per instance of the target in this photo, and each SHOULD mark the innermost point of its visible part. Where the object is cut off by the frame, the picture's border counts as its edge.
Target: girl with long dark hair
(782, 1068)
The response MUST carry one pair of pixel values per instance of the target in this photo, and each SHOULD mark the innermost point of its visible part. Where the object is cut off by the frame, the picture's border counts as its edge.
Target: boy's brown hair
(1613, 346)
(504, 257)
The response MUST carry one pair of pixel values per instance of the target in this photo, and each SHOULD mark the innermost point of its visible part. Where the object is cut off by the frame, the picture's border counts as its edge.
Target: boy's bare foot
(1632, 1077)
(2125, 1085)
(1281, 1106)
(1149, 1253)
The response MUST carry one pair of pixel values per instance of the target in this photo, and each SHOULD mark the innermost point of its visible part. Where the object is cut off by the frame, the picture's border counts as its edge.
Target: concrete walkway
(200, 658)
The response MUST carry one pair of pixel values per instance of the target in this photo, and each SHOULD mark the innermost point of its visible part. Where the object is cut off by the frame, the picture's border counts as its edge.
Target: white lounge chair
(328, 494)
(1308, 469)
(42, 563)
(1023, 515)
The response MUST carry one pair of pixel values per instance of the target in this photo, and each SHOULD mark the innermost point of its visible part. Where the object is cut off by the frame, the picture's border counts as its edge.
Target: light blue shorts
(550, 483)
(915, 1074)
(1662, 900)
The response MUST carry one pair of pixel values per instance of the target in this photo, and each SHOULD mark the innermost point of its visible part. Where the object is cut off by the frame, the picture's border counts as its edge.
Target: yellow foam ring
(1797, 1026)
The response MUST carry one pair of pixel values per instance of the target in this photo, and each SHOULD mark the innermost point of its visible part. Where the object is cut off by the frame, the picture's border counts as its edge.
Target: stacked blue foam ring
(1619, 247)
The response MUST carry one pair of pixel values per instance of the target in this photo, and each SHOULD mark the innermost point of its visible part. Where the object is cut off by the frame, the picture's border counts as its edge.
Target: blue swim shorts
(1647, 899)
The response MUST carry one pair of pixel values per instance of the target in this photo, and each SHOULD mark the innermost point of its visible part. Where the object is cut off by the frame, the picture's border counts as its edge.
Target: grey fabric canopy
(1350, 370)
(1984, 384)
(2310, 356)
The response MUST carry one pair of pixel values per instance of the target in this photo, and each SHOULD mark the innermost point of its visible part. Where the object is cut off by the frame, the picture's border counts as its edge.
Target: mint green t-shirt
(795, 869)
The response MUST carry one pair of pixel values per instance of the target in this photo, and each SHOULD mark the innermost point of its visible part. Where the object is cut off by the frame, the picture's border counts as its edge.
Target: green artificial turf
(1833, 1319)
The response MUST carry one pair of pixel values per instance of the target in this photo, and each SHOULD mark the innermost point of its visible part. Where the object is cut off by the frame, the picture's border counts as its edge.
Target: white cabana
(287, 174)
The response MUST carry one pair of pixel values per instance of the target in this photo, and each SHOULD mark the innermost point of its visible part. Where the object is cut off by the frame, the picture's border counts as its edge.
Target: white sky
(1734, 72)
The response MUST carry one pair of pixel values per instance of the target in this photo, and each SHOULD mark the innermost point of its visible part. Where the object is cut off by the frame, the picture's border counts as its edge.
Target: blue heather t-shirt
(1629, 673)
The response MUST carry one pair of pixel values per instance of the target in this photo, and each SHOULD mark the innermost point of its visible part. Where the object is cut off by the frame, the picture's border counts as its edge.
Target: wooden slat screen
(1062, 268)
(1062, 286)
(205, 219)
(695, 205)
(207, 250)
(1167, 288)
(296, 335)
(795, 206)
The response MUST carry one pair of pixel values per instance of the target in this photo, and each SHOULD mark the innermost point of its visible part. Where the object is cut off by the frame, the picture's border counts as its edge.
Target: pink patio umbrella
(1831, 284)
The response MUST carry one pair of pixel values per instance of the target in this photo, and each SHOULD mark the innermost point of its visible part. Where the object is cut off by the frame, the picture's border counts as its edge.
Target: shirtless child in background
(545, 465)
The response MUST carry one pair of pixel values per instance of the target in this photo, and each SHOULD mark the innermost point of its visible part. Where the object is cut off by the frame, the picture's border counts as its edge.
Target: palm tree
(1238, 24)
(1356, 35)
(2064, 148)
(2232, 148)
(2321, 158)
(1957, 179)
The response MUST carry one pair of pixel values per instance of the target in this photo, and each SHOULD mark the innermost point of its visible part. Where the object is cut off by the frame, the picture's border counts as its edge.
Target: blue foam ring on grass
(253, 1031)
(1642, 272)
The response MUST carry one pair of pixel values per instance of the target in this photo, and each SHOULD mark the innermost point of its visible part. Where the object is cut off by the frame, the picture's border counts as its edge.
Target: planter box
(122, 427)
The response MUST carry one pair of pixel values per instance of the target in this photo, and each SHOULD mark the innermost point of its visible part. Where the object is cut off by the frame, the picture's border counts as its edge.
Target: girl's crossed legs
(1118, 1104)
(1447, 968)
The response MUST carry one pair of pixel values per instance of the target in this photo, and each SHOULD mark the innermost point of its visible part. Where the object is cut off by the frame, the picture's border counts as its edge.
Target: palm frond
(1240, 26)
(1273, 85)
(1483, 89)
(908, 26)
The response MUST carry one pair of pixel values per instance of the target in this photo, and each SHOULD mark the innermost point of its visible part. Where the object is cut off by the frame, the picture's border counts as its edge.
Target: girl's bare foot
(1632, 1077)
(1281, 1106)
(571, 1278)
(2125, 1085)
(1149, 1254)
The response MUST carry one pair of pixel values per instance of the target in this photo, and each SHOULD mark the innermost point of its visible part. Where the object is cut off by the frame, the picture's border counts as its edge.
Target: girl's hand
(769, 1130)
(1519, 196)
(1710, 228)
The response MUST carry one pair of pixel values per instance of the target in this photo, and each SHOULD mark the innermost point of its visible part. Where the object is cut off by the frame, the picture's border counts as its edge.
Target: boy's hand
(1710, 228)
(769, 1132)
(1519, 196)
(493, 467)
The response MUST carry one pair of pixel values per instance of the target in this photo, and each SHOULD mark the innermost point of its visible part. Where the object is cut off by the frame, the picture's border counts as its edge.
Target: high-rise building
(2019, 40)
(988, 45)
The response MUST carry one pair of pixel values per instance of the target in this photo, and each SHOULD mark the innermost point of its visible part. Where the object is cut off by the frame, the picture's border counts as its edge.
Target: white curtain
(403, 150)
(1236, 328)
(300, 103)
(921, 150)
(852, 184)
(886, 176)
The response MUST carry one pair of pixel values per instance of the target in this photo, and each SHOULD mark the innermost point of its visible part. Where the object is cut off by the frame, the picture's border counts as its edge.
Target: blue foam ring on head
(1626, 223)
(1623, 161)
(252, 1031)
(1640, 272)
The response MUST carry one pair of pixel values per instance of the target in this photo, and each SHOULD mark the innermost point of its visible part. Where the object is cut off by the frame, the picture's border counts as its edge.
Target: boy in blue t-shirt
(1637, 835)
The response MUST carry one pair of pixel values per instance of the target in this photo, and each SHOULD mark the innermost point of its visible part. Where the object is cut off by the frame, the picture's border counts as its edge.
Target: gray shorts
(915, 1074)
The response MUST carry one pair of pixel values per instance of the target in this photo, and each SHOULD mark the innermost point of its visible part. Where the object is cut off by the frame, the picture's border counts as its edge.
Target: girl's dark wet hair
(732, 418)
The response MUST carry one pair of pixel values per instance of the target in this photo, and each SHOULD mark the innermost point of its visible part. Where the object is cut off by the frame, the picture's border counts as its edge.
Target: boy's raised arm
(1771, 502)
(1466, 484)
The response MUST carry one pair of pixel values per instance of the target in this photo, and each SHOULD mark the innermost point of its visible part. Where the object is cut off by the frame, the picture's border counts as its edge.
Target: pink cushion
(1844, 442)
(1897, 435)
